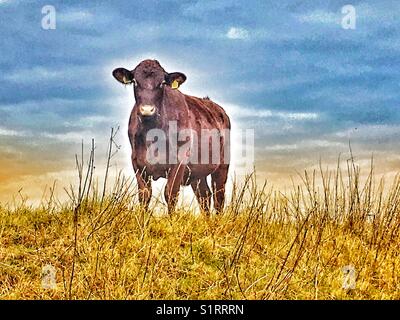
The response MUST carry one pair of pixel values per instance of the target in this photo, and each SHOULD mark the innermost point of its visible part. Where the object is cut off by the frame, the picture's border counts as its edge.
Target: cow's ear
(122, 75)
(175, 79)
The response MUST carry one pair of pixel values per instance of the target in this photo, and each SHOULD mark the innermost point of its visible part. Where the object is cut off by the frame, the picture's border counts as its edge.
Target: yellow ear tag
(175, 84)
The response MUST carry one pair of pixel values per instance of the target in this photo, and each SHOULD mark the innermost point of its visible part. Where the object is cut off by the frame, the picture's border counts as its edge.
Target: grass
(266, 245)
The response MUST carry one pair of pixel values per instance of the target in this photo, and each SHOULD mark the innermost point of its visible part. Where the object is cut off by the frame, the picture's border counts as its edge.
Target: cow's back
(206, 114)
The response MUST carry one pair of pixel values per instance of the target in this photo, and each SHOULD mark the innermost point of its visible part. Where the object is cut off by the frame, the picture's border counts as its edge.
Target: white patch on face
(147, 110)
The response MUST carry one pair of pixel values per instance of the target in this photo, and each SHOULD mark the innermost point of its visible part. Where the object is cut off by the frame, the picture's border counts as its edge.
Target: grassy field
(266, 245)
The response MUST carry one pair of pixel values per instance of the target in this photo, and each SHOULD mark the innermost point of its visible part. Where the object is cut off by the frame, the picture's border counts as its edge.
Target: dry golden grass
(266, 245)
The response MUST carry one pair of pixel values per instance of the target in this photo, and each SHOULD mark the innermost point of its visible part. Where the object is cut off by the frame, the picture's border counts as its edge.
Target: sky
(286, 69)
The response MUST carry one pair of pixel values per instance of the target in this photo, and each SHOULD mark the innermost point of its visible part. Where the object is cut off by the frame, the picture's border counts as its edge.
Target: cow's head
(149, 81)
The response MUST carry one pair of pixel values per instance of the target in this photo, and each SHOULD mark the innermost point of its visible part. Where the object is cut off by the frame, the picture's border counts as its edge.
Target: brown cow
(160, 106)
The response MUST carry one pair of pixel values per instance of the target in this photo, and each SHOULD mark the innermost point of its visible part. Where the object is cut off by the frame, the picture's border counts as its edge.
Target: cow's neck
(170, 109)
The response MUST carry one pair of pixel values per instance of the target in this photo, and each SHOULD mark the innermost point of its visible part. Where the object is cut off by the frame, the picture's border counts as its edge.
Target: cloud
(11, 133)
(320, 16)
(89, 121)
(282, 147)
(63, 119)
(32, 75)
(237, 33)
(75, 16)
(41, 74)
(271, 84)
(8, 2)
(306, 144)
(298, 115)
(202, 8)
(73, 136)
(368, 132)
(10, 150)
(245, 112)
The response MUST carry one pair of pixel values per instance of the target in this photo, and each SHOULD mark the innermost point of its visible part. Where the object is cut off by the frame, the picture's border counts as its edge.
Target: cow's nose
(147, 110)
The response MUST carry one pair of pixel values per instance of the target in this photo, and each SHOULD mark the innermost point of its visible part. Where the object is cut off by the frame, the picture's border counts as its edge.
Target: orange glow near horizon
(31, 181)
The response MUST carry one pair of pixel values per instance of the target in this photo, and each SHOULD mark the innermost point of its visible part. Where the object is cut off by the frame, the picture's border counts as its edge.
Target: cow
(159, 105)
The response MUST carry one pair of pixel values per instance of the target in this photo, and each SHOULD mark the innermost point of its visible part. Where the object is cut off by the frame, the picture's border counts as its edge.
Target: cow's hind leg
(203, 194)
(218, 181)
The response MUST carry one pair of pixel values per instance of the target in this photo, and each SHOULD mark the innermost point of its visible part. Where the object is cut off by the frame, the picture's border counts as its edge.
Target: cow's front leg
(145, 191)
(144, 187)
(174, 182)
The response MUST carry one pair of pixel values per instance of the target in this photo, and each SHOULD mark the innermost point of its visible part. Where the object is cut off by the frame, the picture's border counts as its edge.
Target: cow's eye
(135, 82)
(162, 83)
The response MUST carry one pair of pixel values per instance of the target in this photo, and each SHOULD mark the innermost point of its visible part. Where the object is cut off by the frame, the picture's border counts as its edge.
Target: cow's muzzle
(147, 110)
